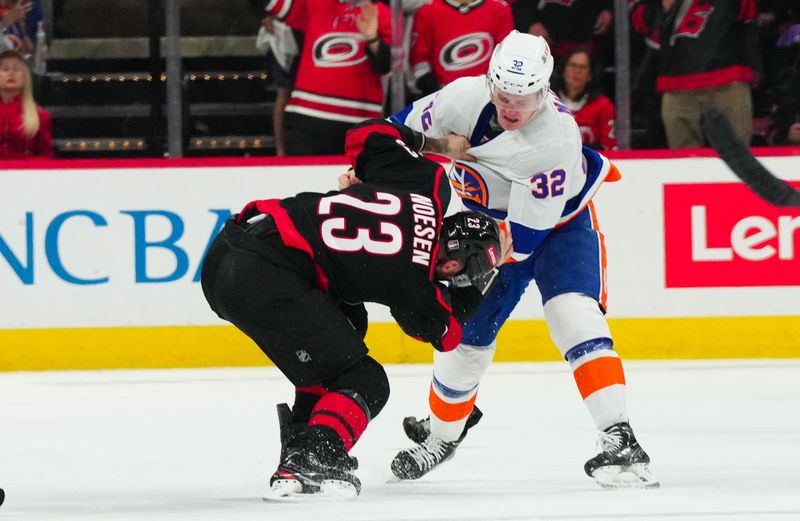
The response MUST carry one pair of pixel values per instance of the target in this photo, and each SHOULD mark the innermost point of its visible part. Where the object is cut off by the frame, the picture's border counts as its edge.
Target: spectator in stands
(280, 44)
(705, 60)
(566, 24)
(787, 135)
(345, 52)
(645, 102)
(455, 38)
(593, 111)
(14, 26)
(25, 129)
(779, 32)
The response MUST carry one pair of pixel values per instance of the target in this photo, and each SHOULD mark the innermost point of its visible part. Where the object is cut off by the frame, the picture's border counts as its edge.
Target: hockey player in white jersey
(527, 168)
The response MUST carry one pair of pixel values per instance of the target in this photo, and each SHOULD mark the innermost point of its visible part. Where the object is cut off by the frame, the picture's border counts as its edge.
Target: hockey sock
(601, 381)
(305, 398)
(343, 414)
(450, 410)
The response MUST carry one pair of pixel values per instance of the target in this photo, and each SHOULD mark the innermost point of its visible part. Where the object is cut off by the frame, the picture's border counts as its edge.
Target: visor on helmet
(522, 103)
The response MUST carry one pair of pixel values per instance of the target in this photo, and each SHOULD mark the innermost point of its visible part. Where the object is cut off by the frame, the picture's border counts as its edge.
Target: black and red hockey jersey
(335, 80)
(377, 241)
(702, 42)
(454, 40)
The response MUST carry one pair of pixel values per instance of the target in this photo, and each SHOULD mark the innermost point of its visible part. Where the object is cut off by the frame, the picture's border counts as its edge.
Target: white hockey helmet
(521, 64)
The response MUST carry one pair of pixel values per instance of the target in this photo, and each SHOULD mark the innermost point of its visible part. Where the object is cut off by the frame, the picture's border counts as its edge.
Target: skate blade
(291, 491)
(636, 476)
(282, 489)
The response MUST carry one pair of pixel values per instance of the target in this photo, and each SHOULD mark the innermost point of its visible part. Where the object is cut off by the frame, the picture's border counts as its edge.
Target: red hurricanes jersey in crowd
(14, 142)
(596, 121)
(335, 80)
(454, 40)
(702, 42)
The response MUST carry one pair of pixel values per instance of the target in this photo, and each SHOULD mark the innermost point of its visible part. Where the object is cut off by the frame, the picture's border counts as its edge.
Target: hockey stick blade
(744, 165)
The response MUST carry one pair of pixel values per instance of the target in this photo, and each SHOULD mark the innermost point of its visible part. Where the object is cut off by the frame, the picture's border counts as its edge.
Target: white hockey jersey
(535, 178)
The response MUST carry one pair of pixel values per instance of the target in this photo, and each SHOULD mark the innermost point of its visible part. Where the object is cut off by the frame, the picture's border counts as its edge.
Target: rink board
(99, 263)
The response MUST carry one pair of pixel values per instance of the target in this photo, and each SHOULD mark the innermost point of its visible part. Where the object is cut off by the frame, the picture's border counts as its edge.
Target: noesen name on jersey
(424, 229)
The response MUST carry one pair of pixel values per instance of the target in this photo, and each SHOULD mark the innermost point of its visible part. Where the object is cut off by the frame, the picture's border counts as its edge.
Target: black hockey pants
(268, 291)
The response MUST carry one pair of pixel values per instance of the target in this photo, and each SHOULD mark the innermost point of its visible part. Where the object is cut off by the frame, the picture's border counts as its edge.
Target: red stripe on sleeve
(638, 21)
(747, 11)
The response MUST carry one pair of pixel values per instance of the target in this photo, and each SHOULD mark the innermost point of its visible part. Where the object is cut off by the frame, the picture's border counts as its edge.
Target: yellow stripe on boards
(519, 341)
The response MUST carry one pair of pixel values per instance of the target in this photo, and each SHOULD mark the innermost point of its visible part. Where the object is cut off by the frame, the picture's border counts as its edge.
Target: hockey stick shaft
(744, 165)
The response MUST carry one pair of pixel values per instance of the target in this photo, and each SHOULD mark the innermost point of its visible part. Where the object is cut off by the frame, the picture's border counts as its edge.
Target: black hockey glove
(465, 302)
(357, 315)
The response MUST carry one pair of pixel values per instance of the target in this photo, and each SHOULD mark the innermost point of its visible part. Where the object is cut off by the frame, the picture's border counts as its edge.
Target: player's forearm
(450, 145)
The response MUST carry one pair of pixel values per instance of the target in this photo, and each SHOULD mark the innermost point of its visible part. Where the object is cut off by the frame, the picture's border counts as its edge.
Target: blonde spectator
(25, 128)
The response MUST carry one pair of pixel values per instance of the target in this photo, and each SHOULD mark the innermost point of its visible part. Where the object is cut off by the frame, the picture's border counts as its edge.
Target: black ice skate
(430, 452)
(418, 430)
(313, 465)
(621, 463)
(306, 475)
(417, 461)
(290, 430)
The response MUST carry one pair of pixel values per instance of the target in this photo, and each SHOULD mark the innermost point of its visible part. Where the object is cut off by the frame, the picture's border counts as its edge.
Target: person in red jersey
(345, 52)
(455, 38)
(25, 129)
(593, 111)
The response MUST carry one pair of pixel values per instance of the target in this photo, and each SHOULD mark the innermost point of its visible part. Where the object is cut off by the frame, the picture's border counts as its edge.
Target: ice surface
(182, 445)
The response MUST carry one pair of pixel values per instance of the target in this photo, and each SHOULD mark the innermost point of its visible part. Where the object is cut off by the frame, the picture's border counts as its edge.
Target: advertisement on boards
(723, 235)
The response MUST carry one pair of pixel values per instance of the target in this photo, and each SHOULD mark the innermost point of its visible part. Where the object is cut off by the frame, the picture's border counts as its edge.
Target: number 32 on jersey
(548, 184)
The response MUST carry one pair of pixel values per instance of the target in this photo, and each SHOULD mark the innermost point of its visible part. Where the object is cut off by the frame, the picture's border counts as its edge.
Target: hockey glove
(465, 302)
(357, 315)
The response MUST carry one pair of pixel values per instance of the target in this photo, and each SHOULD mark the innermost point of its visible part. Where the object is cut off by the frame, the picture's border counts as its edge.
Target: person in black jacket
(706, 59)
(293, 274)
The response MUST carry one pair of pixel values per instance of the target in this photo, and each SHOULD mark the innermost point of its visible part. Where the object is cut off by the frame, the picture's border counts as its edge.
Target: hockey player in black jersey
(293, 274)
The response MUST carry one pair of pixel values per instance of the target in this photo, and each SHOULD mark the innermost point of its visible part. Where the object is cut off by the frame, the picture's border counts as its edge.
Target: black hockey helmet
(474, 240)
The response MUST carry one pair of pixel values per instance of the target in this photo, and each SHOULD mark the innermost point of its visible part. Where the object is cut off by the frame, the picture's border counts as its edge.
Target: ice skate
(304, 476)
(417, 461)
(621, 463)
(418, 430)
(311, 467)
(289, 429)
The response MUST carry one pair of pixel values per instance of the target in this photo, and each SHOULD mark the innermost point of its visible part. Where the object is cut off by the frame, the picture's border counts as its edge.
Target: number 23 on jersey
(386, 240)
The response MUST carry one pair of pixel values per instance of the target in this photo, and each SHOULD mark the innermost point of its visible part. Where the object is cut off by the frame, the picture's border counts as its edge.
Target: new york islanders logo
(338, 50)
(466, 51)
(468, 183)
